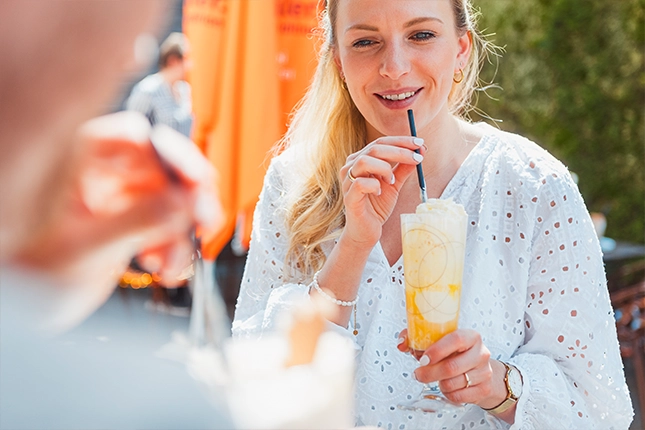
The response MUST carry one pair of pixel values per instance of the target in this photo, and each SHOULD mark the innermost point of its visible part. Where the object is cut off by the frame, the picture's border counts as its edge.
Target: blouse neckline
(464, 180)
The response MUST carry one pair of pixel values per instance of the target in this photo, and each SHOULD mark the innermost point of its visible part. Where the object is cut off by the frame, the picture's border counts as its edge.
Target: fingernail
(414, 376)
(417, 157)
(417, 141)
(425, 360)
(400, 341)
(393, 180)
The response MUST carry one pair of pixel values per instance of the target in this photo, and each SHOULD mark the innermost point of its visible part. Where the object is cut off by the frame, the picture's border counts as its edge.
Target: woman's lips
(399, 99)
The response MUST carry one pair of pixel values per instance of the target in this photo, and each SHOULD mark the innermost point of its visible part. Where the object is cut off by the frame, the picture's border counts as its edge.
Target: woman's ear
(339, 65)
(465, 43)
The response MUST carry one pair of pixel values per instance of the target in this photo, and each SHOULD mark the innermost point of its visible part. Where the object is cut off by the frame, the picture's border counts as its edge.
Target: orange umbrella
(252, 61)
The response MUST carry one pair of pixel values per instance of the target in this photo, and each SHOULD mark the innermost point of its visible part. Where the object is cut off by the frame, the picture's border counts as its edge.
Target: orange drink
(434, 243)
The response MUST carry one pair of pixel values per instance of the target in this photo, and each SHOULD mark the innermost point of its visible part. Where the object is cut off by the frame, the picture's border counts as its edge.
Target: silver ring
(467, 380)
(351, 177)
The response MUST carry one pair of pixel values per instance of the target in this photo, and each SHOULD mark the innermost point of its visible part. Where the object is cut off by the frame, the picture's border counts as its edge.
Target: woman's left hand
(461, 364)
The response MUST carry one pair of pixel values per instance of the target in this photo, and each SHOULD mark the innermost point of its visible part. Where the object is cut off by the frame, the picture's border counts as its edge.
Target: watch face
(515, 382)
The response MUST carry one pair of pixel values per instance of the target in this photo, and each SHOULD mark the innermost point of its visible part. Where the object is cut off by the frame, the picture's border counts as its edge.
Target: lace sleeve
(263, 293)
(570, 361)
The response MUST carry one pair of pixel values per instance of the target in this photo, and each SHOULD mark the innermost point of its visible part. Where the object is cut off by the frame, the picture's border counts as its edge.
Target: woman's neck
(449, 140)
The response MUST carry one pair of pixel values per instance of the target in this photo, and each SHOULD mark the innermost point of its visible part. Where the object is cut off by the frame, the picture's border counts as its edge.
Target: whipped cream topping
(447, 207)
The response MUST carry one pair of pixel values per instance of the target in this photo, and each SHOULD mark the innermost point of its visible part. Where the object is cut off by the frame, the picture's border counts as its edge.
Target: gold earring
(458, 77)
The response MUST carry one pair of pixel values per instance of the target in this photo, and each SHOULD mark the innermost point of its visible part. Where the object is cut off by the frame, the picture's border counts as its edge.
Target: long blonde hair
(325, 129)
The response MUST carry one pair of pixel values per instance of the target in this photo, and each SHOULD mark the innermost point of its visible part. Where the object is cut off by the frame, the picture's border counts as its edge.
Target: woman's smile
(398, 99)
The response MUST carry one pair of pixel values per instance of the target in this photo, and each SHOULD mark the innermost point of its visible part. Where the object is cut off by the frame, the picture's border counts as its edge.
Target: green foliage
(573, 80)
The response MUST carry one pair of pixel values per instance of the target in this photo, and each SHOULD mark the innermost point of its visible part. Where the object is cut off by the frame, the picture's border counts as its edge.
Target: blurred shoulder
(150, 84)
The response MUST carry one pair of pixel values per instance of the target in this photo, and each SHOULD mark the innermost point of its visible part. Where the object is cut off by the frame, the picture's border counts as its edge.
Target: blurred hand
(447, 360)
(126, 198)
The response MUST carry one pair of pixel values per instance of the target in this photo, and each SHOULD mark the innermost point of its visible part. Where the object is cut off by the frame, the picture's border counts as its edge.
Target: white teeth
(401, 96)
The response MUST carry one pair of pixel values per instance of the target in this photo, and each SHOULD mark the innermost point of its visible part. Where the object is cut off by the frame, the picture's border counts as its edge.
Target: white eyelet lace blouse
(534, 288)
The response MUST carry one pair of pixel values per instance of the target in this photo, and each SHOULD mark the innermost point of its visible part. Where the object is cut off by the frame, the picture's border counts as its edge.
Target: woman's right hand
(380, 169)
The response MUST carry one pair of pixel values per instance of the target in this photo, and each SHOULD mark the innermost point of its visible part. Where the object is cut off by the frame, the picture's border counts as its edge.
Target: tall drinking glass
(434, 240)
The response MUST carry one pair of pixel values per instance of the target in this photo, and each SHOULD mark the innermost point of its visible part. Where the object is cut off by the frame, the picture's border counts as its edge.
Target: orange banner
(252, 60)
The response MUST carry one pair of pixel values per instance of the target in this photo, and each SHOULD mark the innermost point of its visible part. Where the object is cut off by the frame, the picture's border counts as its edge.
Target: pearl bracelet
(314, 283)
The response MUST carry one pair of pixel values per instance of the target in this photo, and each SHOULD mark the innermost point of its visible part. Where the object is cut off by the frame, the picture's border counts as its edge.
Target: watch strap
(510, 400)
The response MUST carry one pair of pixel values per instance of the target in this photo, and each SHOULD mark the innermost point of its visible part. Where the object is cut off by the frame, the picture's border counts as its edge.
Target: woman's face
(398, 55)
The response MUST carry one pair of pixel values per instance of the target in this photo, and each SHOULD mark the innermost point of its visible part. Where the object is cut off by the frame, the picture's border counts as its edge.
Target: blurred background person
(79, 200)
(164, 98)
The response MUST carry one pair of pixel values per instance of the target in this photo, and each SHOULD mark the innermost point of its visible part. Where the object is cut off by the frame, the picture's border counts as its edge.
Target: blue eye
(423, 36)
(363, 43)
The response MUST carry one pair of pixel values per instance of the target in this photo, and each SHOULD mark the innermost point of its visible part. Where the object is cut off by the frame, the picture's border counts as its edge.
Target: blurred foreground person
(79, 199)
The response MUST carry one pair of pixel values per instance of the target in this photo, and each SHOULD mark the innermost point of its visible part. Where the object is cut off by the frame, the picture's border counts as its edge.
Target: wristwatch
(514, 384)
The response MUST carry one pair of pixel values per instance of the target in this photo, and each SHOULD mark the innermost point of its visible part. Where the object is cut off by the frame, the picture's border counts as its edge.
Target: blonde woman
(534, 301)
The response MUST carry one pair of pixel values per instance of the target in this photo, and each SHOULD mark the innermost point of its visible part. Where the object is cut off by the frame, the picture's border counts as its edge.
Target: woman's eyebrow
(421, 20)
(406, 25)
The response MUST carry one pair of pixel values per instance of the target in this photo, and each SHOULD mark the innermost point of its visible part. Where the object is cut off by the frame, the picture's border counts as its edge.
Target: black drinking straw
(422, 181)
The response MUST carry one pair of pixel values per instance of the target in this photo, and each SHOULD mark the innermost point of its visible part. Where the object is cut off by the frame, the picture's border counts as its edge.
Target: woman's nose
(395, 62)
